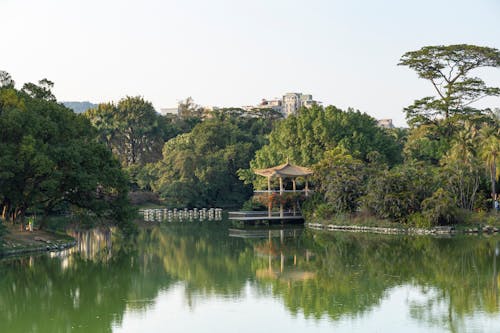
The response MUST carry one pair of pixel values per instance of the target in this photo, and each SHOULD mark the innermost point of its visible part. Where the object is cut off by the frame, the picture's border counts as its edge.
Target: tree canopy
(132, 129)
(199, 168)
(304, 138)
(450, 71)
(50, 159)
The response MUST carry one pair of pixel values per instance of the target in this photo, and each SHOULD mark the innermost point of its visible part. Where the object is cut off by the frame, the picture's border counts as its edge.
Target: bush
(324, 211)
(399, 192)
(419, 221)
(254, 204)
(440, 208)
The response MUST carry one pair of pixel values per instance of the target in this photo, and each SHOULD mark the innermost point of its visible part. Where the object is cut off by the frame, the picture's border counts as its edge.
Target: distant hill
(79, 107)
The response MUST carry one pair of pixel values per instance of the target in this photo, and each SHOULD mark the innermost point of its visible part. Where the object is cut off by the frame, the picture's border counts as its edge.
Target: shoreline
(441, 230)
(6, 252)
(17, 242)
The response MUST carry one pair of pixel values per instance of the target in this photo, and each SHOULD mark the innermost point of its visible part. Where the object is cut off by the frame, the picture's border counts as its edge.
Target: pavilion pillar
(294, 185)
(307, 187)
(269, 197)
(281, 197)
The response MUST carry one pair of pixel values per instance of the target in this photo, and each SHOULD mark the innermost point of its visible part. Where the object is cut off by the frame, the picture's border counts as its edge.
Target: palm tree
(490, 152)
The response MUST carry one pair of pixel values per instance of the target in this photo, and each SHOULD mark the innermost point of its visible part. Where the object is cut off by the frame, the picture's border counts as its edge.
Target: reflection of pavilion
(280, 251)
(283, 196)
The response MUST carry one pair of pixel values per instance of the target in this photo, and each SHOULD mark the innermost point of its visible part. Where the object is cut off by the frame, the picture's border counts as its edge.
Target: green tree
(461, 167)
(200, 168)
(440, 208)
(6, 80)
(187, 108)
(40, 91)
(50, 158)
(131, 129)
(397, 193)
(490, 150)
(340, 179)
(306, 137)
(449, 70)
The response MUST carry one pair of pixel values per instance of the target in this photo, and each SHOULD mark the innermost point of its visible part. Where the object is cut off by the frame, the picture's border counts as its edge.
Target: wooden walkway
(265, 233)
(265, 217)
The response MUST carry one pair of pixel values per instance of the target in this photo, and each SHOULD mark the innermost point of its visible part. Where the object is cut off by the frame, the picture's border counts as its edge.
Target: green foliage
(131, 129)
(448, 68)
(253, 204)
(200, 168)
(419, 221)
(440, 208)
(6, 80)
(304, 138)
(397, 193)
(447, 131)
(42, 90)
(426, 143)
(341, 180)
(50, 158)
(490, 153)
(461, 169)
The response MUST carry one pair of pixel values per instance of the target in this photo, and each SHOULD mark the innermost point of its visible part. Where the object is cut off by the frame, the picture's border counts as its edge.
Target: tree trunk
(493, 182)
(44, 219)
(4, 211)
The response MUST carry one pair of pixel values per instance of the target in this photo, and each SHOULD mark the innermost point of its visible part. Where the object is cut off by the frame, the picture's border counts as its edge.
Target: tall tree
(50, 157)
(490, 153)
(132, 129)
(189, 109)
(340, 179)
(304, 138)
(42, 90)
(450, 71)
(200, 168)
(6, 80)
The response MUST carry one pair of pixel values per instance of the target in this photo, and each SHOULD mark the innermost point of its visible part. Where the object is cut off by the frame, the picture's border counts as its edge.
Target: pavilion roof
(284, 171)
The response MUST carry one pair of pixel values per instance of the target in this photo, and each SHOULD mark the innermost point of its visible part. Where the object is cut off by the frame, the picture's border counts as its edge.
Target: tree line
(445, 164)
(51, 161)
(450, 152)
(435, 172)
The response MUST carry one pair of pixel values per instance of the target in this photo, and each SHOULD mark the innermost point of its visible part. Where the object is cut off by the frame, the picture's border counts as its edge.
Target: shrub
(254, 204)
(397, 193)
(440, 208)
(419, 221)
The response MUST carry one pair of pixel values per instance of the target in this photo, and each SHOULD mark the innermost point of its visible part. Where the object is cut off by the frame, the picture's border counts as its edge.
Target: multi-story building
(385, 123)
(169, 111)
(289, 104)
(292, 102)
(275, 104)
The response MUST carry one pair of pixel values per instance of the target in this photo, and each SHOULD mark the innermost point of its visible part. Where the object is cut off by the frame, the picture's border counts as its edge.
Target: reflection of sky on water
(254, 312)
(186, 279)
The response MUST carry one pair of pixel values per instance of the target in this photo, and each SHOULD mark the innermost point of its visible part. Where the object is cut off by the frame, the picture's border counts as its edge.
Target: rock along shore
(441, 230)
(39, 244)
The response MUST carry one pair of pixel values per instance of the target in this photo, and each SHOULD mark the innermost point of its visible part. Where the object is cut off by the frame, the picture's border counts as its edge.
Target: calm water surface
(208, 278)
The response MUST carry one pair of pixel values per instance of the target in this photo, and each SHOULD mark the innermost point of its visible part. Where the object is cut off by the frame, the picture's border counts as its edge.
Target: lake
(211, 277)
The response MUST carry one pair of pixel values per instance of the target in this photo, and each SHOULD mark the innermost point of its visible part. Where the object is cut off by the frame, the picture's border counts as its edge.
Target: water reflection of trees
(317, 274)
(87, 291)
(359, 269)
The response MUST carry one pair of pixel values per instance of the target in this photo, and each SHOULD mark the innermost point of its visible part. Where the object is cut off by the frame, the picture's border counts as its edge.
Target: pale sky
(235, 52)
